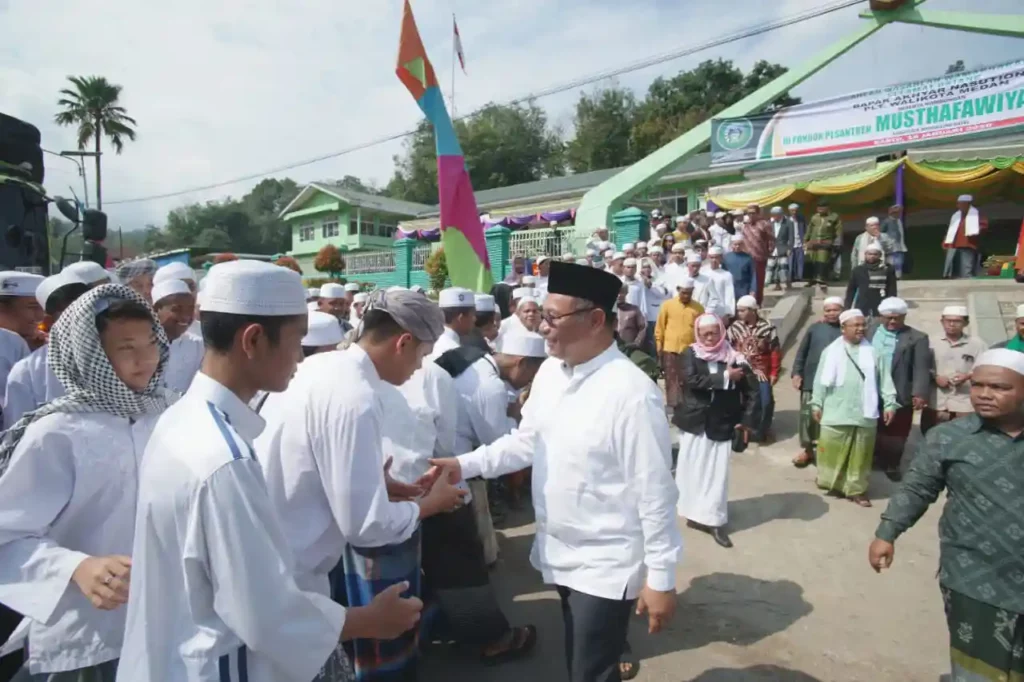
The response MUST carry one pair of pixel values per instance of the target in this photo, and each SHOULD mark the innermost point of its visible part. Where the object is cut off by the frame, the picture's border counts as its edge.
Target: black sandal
(522, 641)
(629, 659)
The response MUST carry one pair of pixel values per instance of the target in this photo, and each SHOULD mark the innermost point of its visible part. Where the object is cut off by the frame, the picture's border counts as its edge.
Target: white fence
(368, 262)
(420, 254)
(550, 241)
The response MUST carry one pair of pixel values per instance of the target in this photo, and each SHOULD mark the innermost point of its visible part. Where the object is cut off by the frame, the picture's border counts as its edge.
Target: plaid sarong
(986, 643)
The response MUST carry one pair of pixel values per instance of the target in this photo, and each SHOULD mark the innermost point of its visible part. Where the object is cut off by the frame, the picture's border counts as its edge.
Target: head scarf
(76, 357)
(411, 310)
(721, 351)
(126, 272)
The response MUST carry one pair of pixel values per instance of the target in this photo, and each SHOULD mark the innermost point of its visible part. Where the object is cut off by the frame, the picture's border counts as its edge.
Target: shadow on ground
(755, 511)
(785, 423)
(758, 672)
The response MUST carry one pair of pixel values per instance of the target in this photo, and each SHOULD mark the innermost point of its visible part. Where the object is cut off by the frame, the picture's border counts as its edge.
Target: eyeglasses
(552, 318)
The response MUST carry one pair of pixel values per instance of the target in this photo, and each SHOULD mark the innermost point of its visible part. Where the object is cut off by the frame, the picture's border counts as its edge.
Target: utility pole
(81, 167)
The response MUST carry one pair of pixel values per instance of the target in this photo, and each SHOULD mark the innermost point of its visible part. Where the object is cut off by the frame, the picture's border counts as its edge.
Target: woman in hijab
(720, 403)
(68, 480)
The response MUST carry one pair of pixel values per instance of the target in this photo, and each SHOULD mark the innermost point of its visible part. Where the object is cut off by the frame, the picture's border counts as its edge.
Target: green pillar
(629, 224)
(498, 239)
(692, 200)
(403, 261)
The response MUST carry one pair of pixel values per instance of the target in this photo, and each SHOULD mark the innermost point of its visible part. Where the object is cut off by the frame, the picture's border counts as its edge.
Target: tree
(603, 122)
(675, 105)
(356, 185)
(956, 67)
(328, 259)
(214, 239)
(290, 263)
(93, 106)
(436, 268)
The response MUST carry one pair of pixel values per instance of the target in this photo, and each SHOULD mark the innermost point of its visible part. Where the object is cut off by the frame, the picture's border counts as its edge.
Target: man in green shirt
(979, 461)
(824, 232)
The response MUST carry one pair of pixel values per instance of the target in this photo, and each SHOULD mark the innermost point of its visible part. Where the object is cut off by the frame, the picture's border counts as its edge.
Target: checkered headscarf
(128, 271)
(77, 359)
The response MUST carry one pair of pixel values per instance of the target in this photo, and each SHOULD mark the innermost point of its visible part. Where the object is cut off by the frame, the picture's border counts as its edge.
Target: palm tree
(93, 106)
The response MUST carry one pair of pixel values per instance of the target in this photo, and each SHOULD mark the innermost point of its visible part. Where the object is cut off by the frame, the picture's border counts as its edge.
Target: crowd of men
(237, 478)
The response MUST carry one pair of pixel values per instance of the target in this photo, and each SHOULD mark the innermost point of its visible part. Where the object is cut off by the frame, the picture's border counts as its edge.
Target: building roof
(360, 199)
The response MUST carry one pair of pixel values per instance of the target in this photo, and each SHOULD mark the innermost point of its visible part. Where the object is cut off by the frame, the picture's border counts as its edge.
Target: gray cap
(413, 311)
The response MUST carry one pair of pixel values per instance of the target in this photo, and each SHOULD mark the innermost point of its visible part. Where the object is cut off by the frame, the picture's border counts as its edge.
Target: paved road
(794, 601)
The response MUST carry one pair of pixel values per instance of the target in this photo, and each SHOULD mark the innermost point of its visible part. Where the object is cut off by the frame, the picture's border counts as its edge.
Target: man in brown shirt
(632, 326)
(953, 357)
(759, 238)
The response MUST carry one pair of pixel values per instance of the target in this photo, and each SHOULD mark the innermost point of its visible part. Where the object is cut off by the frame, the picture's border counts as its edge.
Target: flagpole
(454, 57)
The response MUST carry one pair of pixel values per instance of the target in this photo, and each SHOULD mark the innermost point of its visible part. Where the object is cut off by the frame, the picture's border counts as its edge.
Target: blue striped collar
(243, 420)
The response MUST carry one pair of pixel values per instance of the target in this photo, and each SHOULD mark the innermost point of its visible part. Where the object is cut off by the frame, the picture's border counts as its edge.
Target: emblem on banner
(735, 134)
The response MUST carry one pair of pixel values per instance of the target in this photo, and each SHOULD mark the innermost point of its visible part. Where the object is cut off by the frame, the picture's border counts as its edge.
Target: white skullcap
(88, 271)
(707, 320)
(656, 249)
(685, 283)
(629, 263)
(333, 290)
(591, 252)
(529, 279)
(362, 297)
(313, 292)
(893, 306)
(249, 287)
(323, 330)
(541, 259)
(312, 305)
(715, 251)
(352, 288)
(457, 297)
(872, 221)
(794, 206)
(678, 248)
(777, 210)
(607, 253)
(522, 343)
(484, 303)
(834, 300)
(954, 311)
(521, 292)
(553, 223)
(693, 258)
(54, 282)
(851, 314)
(629, 246)
(14, 283)
(965, 197)
(618, 255)
(1020, 311)
(873, 246)
(1002, 357)
(171, 287)
(417, 288)
(682, 219)
(176, 270)
(568, 256)
(747, 302)
(738, 237)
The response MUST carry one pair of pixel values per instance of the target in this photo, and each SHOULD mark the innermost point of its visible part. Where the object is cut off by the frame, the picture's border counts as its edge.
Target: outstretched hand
(448, 466)
(398, 491)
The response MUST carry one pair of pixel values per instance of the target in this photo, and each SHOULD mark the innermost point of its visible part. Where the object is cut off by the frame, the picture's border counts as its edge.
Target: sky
(224, 88)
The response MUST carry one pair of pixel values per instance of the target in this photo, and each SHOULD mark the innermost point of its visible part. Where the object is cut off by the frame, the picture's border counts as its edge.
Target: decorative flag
(462, 234)
(458, 45)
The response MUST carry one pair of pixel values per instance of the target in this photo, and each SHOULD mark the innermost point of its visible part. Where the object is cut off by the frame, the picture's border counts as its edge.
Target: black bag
(739, 440)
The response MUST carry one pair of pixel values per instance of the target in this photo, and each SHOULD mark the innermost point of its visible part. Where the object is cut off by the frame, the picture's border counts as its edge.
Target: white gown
(30, 385)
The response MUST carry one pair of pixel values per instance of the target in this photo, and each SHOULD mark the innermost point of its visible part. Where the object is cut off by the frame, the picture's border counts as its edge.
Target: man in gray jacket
(777, 270)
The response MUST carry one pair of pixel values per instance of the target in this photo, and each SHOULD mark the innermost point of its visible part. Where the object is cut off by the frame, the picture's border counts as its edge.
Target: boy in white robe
(175, 308)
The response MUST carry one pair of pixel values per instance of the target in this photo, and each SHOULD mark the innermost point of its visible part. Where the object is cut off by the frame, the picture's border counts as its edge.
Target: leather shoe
(721, 537)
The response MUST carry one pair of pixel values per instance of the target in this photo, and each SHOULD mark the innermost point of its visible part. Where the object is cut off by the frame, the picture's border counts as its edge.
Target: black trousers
(595, 635)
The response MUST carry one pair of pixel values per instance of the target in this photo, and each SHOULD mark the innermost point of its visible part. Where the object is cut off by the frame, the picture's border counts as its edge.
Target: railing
(369, 262)
(420, 254)
(550, 241)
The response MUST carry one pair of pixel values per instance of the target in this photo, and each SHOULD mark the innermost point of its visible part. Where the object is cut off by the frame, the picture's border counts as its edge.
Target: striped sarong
(362, 574)
(844, 458)
(986, 643)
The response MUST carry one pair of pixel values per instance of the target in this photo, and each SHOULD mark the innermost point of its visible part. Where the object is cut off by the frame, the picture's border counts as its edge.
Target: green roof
(374, 201)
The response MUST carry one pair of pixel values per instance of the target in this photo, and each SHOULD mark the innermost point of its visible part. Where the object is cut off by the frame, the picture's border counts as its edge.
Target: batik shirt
(981, 532)
(760, 344)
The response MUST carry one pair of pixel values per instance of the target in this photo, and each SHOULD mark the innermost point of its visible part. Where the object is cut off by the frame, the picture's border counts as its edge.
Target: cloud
(226, 88)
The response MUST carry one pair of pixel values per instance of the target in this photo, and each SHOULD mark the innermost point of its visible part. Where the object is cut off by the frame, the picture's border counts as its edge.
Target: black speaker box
(23, 242)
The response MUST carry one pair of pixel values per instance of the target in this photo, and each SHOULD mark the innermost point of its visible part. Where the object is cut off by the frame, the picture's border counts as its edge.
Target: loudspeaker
(19, 147)
(15, 130)
(23, 242)
(94, 225)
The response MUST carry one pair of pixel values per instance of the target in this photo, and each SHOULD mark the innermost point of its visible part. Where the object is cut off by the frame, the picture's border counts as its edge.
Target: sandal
(802, 461)
(521, 643)
(629, 666)
(860, 500)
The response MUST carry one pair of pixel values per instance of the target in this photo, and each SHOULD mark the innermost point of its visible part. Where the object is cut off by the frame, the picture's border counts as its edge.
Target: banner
(951, 106)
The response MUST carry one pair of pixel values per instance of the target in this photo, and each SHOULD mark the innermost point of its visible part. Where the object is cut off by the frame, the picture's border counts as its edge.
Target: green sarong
(986, 643)
(844, 458)
(809, 429)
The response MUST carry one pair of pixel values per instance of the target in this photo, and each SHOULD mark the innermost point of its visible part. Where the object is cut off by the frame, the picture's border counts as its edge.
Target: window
(366, 226)
(353, 226)
(386, 229)
(306, 233)
(329, 228)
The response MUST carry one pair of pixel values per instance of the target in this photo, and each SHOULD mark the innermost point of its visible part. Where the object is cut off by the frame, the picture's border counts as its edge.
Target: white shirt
(605, 500)
(721, 292)
(482, 406)
(776, 227)
(323, 460)
(721, 237)
(12, 349)
(419, 421)
(196, 328)
(701, 284)
(68, 494)
(635, 294)
(212, 573)
(184, 361)
(653, 297)
(448, 340)
(30, 385)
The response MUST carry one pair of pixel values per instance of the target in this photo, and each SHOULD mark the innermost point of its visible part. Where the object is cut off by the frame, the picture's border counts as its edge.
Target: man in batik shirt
(756, 338)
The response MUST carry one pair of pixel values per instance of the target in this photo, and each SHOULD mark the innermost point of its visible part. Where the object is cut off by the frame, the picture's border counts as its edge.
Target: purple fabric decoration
(557, 216)
(712, 207)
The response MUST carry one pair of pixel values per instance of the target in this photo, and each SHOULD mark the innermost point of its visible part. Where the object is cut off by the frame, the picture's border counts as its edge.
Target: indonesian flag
(458, 45)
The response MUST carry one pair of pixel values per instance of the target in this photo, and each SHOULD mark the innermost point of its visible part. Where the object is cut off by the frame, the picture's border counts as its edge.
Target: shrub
(436, 268)
(328, 259)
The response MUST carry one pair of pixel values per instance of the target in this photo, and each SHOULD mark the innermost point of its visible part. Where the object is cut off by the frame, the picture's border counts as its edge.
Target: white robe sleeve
(643, 438)
(446, 416)
(235, 542)
(34, 570)
(348, 448)
(730, 292)
(20, 396)
(488, 412)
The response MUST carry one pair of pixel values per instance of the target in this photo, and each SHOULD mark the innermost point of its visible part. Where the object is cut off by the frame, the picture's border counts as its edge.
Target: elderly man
(805, 367)
(962, 239)
(1017, 342)
(796, 255)
(673, 334)
(777, 272)
(953, 358)
(977, 461)
(906, 352)
(631, 324)
(892, 227)
(759, 239)
(741, 266)
(852, 381)
(870, 282)
(617, 264)
(871, 235)
(618, 543)
(756, 338)
(823, 231)
(515, 276)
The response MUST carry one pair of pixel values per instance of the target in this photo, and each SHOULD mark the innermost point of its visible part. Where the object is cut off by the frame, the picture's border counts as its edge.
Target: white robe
(419, 422)
(449, 340)
(721, 292)
(69, 493)
(30, 385)
(184, 361)
(12, 349)
(213, 586)
(702, 476)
